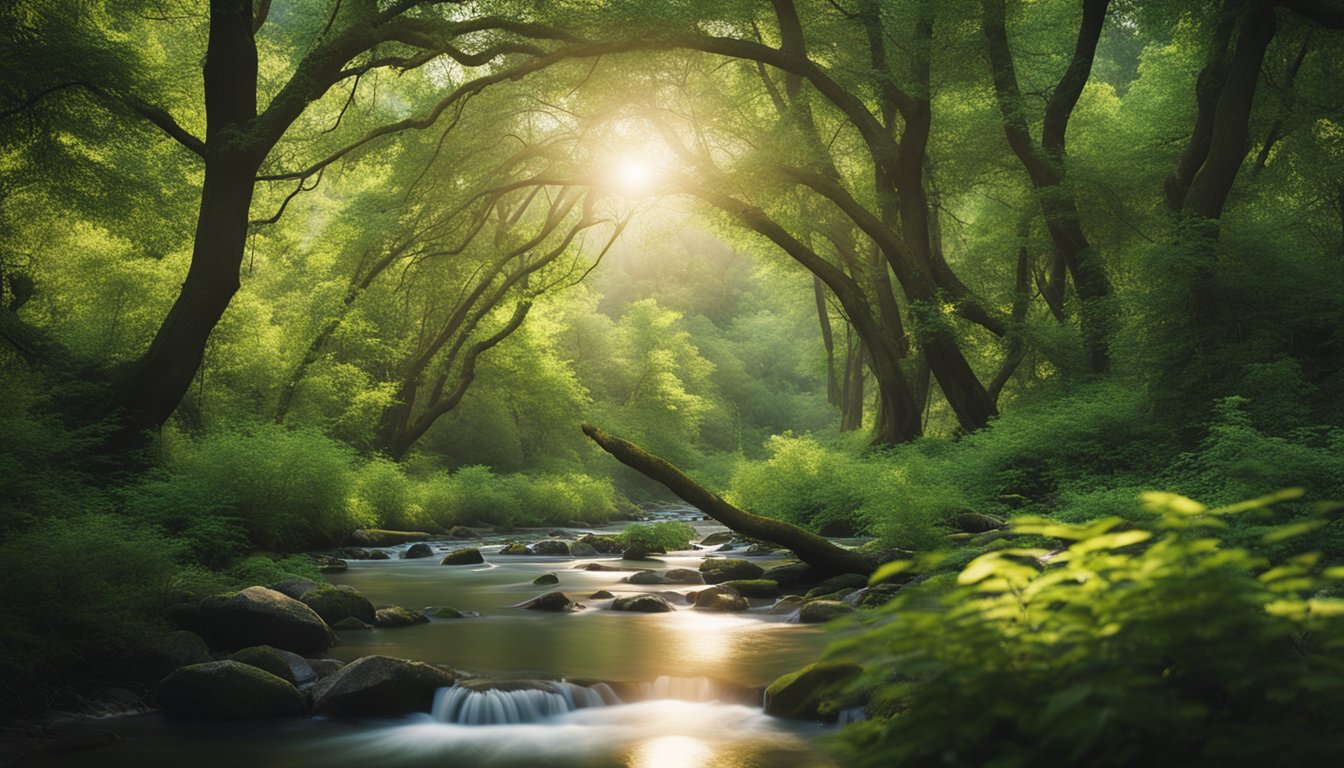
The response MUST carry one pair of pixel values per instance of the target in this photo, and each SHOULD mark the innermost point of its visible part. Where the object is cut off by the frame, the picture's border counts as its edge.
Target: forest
(864, 382)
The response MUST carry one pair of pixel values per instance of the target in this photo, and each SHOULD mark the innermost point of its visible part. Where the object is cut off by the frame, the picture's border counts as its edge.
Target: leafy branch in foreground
(1109, 644)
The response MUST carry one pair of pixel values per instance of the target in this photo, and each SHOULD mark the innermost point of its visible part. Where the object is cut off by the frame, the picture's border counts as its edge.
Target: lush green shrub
(382, 492)
(664, 536)
(81, 593)
(287, 490)
(1154, 644)
(477, 494)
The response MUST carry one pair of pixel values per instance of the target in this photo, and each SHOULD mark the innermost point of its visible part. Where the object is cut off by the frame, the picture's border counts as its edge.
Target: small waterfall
(681, 688)
(540, 700)
(498, 706)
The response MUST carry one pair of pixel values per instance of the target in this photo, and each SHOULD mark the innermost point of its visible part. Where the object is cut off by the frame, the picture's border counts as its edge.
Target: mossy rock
(552, 602)
(336, 603)
(395, 616)
(420, 550)
(815, 692)
(228, 690)
(514, 548)
(606, 545)
(643, 603)
(718, 570)
(350, 623)
(551, 547)
(822, 611)
(464, 556)
(462, 532)
(753, 587)
(717, 538)
(285, 665)
(647, 577)
(546, 580)
(445, 612)
(601, 594)
(683, 576)
(260, 616)
(720, 600)
(380, 685)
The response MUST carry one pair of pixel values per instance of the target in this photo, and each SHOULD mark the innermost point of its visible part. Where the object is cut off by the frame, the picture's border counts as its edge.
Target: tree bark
(809, 547)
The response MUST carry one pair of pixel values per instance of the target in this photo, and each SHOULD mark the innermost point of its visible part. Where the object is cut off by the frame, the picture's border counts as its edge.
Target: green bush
(81, 595)
(382, 493)
(477, 494)
(286, 490)
(1156, 644)
(665, 536)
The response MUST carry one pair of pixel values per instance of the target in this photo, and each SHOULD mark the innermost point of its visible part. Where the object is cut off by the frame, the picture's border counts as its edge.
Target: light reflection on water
(655, 734)
(748, 649)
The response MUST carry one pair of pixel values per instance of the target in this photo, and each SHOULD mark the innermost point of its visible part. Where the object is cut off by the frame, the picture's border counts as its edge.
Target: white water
(464, 705)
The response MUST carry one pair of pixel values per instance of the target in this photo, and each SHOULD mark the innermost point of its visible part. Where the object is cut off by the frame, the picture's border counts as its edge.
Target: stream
(683, 687)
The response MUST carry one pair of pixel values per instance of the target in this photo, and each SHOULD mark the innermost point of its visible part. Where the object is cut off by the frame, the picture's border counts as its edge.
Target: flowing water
(590, 688)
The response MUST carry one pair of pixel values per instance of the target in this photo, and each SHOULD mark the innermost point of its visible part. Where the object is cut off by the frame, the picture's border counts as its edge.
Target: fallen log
(809, 547)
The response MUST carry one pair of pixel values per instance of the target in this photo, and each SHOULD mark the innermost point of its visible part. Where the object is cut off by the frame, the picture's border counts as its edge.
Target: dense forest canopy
(274, 271)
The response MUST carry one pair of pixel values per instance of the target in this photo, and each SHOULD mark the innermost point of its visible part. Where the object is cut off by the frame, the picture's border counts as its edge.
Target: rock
(787, 604)
(378, 554)
(836, 529)
(325, 667)
(333, 565)
(753, 587)
(579, 549)
(395, 616)
(353, 553)
(290, 667)
(603, 544)
(845, 582)
(815, 692)
(514, 548)
(683, 576)
(794, 575)
(466, 556)
(555, 602)
(820, 611)
(721, 600)
(227, 690)
(761, 549)
(600, 567)
(551, 547)
(716, 538)
(336, 603)
(374, 537)
(380, 685)
(462, 532)
(635, 552)
(716, 570)
(871, 597)
(446, 612)
(647, 577)
(546, 579)
(642, 603)
(601, 594)
(974, 522)
(351, 623)
(418, 550)
(261, 616)
(294, 587)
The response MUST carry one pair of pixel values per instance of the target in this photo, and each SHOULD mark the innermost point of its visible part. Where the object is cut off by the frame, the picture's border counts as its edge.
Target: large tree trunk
(809, 547)
(158, 381)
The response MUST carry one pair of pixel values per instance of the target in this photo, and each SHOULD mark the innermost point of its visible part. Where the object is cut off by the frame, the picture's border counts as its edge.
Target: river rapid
(661, 690)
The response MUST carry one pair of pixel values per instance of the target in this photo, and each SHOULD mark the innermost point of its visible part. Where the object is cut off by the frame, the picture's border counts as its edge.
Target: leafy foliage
(1149, 643)
(663, 536)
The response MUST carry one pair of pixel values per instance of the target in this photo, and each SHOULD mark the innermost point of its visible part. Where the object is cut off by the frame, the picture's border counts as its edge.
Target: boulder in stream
(717, 570)
(418, 550)
(815, 692)
(465, 556)
(227, 690)
(336, 603)
(642, 603)
(462, 532)
(601, 594)
(378, 554)
(515, 548)
(286, 665)
(546, 580)
(753, 587)
(394, 616)
(720, 600)
(380, 685)
(579, 549)
(821, 611)
(606, 545)
(683, 576)
(717, 538)
(551, 547)
(647, 577)
(554, 602)
(293, 587)
(261, 616)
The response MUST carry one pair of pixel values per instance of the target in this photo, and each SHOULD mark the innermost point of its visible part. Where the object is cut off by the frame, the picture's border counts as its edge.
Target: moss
(816, 691)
